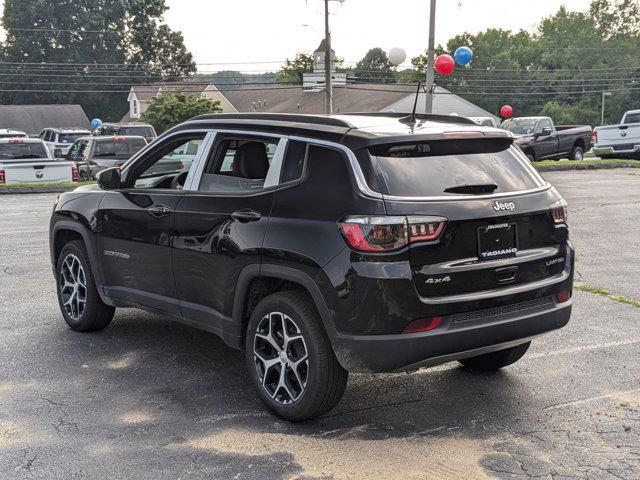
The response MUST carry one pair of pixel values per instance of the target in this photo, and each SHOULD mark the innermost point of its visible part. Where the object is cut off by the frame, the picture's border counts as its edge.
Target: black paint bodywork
(200, 265)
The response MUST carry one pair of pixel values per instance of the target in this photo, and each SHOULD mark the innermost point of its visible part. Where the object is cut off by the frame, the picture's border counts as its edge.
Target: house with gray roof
(32, 119)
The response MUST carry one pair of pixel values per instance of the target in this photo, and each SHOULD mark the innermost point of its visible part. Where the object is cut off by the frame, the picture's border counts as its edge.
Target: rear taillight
(563, 296)
(16, 142)
(594, 137)
(2, 177)
(423, 325)
(74, 173)
(559, 212)
(385, 234)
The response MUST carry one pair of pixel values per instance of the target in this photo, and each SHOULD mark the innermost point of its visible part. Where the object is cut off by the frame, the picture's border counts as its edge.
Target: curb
(25, 190)
(586, 166)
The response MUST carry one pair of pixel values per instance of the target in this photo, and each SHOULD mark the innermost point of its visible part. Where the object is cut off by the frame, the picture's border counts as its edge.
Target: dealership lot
(150, 398)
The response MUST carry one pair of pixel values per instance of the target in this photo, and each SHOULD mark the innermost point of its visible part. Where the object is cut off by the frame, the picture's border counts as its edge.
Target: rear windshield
(70, 137)
(13, 151)
(118, 148)
(137, 130)
(632, 118)
(427, 169)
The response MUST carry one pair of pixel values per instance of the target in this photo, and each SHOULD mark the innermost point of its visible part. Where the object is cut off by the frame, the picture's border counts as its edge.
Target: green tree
(374, 67)
(87, 46)
(170, 109)
(293, 70)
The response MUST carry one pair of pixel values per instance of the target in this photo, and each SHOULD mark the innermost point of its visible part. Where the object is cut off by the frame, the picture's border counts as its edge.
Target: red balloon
(506, 111)
(445, 64)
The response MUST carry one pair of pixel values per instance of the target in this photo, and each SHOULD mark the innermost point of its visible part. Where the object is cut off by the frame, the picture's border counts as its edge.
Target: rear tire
(577, 153)
(285, 332)
(491, 362)
(80, 302)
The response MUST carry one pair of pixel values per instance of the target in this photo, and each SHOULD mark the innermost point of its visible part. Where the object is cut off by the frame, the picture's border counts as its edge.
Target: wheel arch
(288, 278)
(64, 231)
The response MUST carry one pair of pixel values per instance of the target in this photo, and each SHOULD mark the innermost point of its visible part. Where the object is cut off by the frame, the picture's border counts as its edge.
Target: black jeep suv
(322, 245)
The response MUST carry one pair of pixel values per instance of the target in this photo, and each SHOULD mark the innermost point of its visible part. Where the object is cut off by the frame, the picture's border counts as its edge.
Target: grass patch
(606, 293)
(46, 184)
(552, 163)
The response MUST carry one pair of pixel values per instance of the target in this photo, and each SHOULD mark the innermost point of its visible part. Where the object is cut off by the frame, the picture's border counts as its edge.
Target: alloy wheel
(281, 358)
(73, 286)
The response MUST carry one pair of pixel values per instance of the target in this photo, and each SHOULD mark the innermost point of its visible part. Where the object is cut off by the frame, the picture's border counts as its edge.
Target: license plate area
(497, 241)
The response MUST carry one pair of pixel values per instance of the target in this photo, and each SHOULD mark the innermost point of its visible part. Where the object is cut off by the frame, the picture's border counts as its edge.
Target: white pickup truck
(619, 140)
(26, 160)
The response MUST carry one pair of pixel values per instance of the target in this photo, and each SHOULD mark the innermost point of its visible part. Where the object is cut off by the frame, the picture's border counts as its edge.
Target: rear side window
(293, 163)
(427, 169)
(70, 137)
(15, 151)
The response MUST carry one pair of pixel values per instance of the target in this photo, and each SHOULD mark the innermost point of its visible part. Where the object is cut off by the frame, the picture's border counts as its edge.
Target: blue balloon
(96, 122)
(463, 56)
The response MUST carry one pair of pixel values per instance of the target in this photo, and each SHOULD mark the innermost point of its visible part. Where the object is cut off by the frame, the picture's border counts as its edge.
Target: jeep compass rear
(322, 245)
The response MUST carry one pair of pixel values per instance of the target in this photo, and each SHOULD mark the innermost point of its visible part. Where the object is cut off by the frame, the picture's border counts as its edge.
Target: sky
(238, 34)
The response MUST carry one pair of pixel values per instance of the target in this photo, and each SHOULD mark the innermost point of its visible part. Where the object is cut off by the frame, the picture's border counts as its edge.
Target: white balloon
(397, 56)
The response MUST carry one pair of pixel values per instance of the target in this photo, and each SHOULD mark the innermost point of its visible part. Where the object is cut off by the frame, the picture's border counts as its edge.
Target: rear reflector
(74, 173)
(563, 296)
(385, 234)
(423, 325)
(2, 177)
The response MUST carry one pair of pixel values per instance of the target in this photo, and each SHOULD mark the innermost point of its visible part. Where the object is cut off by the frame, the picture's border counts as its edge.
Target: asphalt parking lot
(148, 398)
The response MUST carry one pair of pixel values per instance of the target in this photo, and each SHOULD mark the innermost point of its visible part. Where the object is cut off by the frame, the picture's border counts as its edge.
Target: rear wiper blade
(476, 189)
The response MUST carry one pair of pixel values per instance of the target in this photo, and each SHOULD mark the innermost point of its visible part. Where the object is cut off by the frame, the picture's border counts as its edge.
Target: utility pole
(604, 95)
(328, 84)
(431, 54)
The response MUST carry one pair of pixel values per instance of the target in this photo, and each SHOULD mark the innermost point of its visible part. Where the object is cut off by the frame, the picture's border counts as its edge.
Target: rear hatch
(493, 209)
(620, 137)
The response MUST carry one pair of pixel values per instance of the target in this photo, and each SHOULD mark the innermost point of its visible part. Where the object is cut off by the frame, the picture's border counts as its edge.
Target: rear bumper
(451, 341)
(611, 150)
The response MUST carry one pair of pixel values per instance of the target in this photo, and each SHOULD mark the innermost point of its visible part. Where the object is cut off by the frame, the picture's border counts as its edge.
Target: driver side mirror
(109, 179)
(545, 132)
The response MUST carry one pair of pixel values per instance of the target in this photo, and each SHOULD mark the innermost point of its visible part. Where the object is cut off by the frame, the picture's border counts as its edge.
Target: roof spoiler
(418, 116)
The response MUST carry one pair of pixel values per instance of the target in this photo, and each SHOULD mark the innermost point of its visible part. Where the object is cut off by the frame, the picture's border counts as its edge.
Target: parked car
(540, 139)
(10, 133)
(94, 154)
(619, 140)
(485, 121)
(61, 139)
(322, 245)
(26, 160)
(127, 129)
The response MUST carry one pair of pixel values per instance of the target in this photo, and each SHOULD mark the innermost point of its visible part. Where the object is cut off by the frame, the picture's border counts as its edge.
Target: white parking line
(584, 348)
(591, 399)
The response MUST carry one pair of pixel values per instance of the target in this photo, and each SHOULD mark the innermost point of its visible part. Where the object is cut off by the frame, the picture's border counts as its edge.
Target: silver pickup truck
(615, 141)
(26, 160)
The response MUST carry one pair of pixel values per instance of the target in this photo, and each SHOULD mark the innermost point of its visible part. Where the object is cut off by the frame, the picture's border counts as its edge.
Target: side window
(170, 161)
(239, 164)
(42, 135)
(293, 163)
(75, 149)
(542, 124)
(83, 150)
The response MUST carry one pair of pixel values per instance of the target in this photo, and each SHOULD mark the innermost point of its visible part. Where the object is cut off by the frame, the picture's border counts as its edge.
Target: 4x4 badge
(502, 206)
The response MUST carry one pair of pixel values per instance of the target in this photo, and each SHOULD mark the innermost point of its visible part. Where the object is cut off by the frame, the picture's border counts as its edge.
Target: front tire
(80, 303)
(491, 362)
(290, 360)
(577, 153)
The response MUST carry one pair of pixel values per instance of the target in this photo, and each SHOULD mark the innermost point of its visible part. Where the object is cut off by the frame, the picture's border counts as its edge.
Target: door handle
(159, 210)
(245, 216)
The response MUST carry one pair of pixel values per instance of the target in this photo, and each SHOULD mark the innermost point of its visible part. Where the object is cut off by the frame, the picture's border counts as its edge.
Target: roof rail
(418, 116)
(281, 117)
